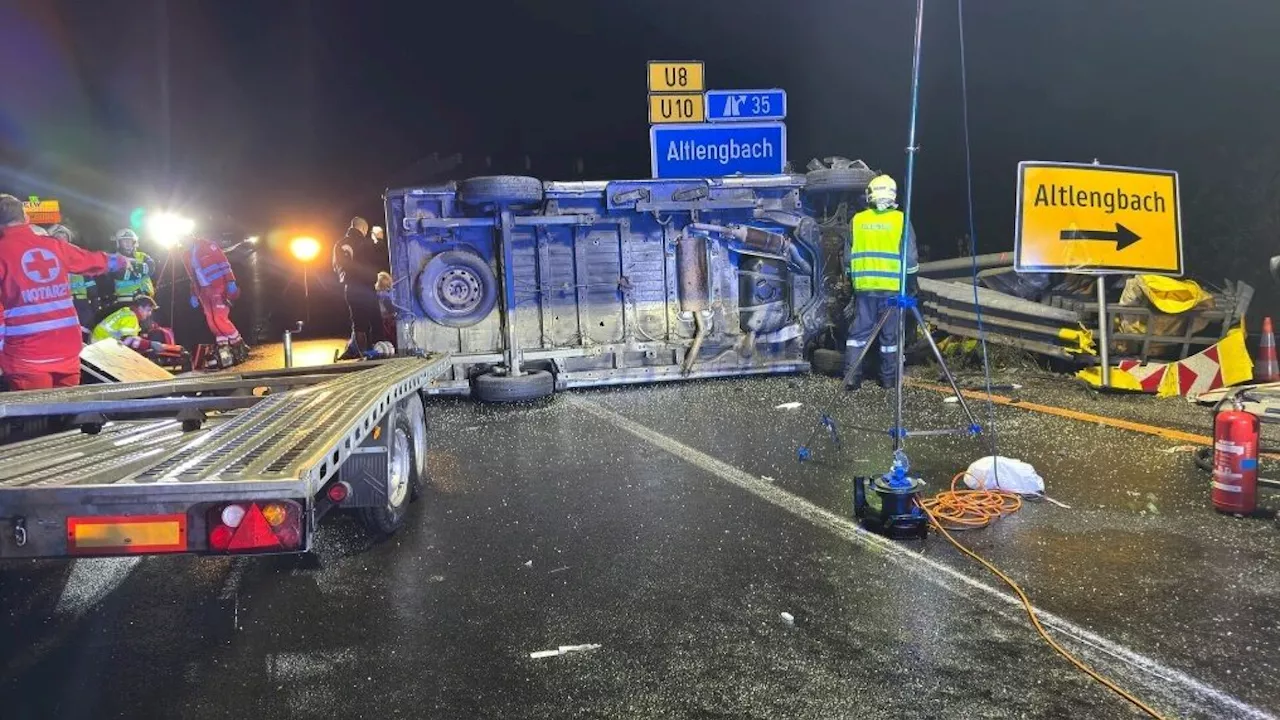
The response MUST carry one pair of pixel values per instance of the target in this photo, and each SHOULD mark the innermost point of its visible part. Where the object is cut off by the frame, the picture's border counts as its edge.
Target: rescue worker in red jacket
(213, 289)
(39, 329)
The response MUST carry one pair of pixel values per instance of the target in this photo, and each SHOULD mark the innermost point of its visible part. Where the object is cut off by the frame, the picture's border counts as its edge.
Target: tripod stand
(896, 479)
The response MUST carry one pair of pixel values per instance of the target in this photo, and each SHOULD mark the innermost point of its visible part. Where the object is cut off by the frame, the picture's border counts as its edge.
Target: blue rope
(973, 236)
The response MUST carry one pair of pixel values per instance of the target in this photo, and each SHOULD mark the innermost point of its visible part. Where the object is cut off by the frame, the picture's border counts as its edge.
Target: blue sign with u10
(705, 150)
(746, 105)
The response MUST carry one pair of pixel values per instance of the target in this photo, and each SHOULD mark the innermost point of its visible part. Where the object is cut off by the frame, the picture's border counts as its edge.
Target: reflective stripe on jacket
(875, 262)
(80, 287)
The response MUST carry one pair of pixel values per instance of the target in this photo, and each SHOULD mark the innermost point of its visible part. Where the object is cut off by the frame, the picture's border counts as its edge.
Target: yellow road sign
(43, 212)
(1097, 219)
(676, 76)
(677, 108)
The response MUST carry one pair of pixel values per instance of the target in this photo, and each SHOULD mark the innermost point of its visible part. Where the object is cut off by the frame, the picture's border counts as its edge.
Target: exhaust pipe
(695, 295)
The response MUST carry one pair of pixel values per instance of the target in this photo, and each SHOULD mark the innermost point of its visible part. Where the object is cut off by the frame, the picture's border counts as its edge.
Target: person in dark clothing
(355, 260)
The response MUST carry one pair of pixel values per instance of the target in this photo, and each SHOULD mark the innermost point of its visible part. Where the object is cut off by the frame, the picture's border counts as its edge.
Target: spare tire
(457, 289)
(501, 191)
(530, 385)
(850, 179)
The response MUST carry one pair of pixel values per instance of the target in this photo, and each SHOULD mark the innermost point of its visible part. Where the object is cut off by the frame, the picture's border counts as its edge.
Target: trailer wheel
(387, 518)
(457, 289)
(417, 416)
(501, 191)
(827, 362)
(532, 385)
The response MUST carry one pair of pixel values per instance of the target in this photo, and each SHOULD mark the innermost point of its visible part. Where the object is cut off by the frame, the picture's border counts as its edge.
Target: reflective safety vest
(80, 287)
(120, 324)
(132, 283)
(875, 243)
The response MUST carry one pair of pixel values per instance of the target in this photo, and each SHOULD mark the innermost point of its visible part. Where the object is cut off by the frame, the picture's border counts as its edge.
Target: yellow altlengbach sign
(667, 77)
(677, 108)
(1097, 219)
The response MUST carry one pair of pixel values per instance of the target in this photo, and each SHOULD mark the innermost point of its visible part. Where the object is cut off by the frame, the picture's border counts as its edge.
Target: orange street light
(304, 248)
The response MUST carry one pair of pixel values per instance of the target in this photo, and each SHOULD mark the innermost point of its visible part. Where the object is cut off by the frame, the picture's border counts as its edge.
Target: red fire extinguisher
(1235, 461)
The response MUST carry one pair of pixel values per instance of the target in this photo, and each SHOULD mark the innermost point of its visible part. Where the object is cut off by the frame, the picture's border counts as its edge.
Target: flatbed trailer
(223, 463)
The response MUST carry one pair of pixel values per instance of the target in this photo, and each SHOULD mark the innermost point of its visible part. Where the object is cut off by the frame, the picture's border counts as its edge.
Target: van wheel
(827, 362)
(501, 191)
(532, 385)
(387, 518)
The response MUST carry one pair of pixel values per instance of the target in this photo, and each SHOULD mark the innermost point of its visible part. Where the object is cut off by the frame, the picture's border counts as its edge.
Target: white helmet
(62, 232)
(127, 235)
(882, 193)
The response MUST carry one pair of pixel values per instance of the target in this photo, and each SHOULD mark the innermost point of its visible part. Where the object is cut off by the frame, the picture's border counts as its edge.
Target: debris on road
(788, 618)
(563, 650)
(787, 406)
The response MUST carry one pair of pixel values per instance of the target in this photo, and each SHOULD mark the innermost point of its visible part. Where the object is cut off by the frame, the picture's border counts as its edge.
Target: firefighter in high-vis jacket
(876, 237)
(137, 280)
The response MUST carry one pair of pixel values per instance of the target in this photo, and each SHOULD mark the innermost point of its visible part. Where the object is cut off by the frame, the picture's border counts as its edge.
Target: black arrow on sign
(1122, 236)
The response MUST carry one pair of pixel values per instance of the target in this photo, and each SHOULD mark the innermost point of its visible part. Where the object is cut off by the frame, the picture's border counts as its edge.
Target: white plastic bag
(1010, 474)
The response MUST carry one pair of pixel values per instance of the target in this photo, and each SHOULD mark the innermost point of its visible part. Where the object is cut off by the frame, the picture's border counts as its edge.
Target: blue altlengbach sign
(705, 150)
(746, 105)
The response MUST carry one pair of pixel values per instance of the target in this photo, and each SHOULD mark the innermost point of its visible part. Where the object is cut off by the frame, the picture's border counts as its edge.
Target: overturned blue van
(535, 286)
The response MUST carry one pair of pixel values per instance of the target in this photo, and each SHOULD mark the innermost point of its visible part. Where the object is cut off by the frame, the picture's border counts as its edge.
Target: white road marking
(942, 575)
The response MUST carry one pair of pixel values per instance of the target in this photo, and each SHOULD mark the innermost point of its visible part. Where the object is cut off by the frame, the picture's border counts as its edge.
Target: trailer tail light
(338, 492)
(265, 526)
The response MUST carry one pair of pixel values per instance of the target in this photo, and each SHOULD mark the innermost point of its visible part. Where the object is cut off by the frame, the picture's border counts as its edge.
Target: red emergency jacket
(207, 266)
(39, 329)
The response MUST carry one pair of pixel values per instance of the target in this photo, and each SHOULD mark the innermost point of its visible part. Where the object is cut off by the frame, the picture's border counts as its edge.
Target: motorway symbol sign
(1097, 219)
(746, 105)
(676, 77)
(695, 151)
(676, 108)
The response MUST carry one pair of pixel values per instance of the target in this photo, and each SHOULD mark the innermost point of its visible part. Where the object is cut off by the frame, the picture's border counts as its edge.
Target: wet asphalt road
(672, 526)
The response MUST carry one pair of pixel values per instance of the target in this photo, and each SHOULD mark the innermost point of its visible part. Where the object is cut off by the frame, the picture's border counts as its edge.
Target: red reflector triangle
(254, 533)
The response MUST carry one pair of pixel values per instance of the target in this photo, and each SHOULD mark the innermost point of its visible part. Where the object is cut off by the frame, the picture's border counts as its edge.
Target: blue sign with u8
(705, 150)
(746, 105)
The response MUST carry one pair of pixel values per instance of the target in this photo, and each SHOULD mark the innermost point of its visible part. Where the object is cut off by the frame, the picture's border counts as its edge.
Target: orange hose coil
(971, 509)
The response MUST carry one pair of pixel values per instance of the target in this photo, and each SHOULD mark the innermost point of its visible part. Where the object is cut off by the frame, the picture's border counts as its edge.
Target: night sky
(291, 115)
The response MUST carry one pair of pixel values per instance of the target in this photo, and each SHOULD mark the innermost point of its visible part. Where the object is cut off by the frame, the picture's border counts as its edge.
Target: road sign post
(1097, 220)
(696, 151)
(746, 105)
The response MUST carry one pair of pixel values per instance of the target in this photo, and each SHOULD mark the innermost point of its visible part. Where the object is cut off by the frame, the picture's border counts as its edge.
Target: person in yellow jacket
(126, 325)
(876, 252)
(137, 278)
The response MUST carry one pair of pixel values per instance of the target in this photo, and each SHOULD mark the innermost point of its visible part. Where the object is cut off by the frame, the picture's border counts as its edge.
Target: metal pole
(505, 226)
(288, 348)
(1104, 353)
(306, 293)
(906, 225)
